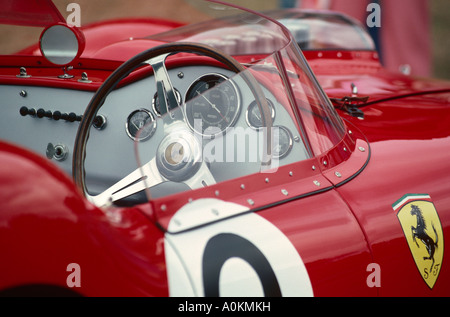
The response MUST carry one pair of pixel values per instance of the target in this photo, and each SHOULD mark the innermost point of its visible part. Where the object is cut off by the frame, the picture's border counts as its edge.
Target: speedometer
(212, 105)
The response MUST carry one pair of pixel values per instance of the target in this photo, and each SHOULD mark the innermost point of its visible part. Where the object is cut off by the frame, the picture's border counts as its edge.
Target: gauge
(282, 141)
(254, 117)
(141, 125)
(156, 105)
(212, 105)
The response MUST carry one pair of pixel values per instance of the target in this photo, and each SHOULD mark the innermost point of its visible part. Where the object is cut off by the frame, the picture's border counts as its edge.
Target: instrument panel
(216, 106)
(211, 104)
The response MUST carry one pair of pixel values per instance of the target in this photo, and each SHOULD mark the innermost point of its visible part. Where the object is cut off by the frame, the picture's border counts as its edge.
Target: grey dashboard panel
(111, 151)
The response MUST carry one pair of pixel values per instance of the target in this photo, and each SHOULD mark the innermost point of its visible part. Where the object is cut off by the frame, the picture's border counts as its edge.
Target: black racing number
(224, 246)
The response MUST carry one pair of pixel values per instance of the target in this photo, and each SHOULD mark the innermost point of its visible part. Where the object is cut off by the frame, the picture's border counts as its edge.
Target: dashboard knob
(72, 117)
(58, 152)
(99, 122)
(24, 111)
(57, 115)
(41, 113)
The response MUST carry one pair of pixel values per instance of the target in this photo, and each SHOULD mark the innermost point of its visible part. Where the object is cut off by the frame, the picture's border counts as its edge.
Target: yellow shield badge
(423, 231)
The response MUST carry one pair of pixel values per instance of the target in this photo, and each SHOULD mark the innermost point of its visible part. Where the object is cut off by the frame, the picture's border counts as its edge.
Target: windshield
(324, 30)
(229, 124)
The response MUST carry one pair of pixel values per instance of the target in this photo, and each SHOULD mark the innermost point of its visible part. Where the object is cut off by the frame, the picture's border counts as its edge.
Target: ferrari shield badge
(423, 231)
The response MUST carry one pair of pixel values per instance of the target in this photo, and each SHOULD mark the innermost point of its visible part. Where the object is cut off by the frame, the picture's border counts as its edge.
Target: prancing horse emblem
(423, 232)
(419, 232)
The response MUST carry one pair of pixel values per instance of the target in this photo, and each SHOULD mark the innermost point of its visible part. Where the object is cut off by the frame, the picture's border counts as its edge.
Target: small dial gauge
(156, 106)
(254, 116)
(282, 142)
(141, 125)
(212, 105)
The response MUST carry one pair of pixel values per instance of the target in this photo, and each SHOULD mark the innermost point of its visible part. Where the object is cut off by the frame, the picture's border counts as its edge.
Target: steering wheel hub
(179, 156)
(174, 154)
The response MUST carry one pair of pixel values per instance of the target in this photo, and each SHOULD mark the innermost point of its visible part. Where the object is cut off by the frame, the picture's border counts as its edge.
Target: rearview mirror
(60, 44)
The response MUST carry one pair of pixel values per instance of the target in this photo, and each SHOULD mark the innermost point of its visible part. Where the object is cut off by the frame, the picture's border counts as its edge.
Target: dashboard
(216, 107)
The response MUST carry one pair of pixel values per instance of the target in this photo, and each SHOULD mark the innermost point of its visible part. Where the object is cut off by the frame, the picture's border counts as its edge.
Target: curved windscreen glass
(232, 124)
(324, 30)
(212, 121)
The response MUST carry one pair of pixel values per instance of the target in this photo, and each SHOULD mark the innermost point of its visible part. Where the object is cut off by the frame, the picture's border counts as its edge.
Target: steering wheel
(163, 167)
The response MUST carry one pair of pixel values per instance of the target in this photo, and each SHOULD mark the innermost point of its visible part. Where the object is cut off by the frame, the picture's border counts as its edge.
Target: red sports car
(243, 154)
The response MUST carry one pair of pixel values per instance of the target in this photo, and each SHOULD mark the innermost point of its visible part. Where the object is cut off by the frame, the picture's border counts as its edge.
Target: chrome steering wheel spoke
(145, 177)
(142, 178)
(202, 178)
(164, 88)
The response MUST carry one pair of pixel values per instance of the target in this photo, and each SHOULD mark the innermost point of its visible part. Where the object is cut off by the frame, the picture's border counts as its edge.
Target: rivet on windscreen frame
(291, 173)
(250, 202)
(338, 174)
(284, 192)
(217, 193)
(180, 75)
(362, 149)
(317, 183)
(242, 186)
(163, 207)
(267, 180)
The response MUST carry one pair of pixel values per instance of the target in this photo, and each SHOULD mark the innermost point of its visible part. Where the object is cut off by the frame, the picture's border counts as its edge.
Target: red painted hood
(29, 13)
(399, 107)
(337, 71)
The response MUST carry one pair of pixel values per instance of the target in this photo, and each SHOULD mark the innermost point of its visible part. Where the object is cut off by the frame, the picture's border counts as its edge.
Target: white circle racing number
(238, 257)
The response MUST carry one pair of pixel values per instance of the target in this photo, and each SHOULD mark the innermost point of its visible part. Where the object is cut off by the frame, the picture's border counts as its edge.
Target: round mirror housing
(60, 44)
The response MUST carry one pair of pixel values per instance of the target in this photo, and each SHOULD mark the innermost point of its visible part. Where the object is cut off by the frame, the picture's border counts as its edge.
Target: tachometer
(212, 105)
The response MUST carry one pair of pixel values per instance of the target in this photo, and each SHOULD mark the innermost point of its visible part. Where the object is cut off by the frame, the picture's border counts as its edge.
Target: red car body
(341, 211)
